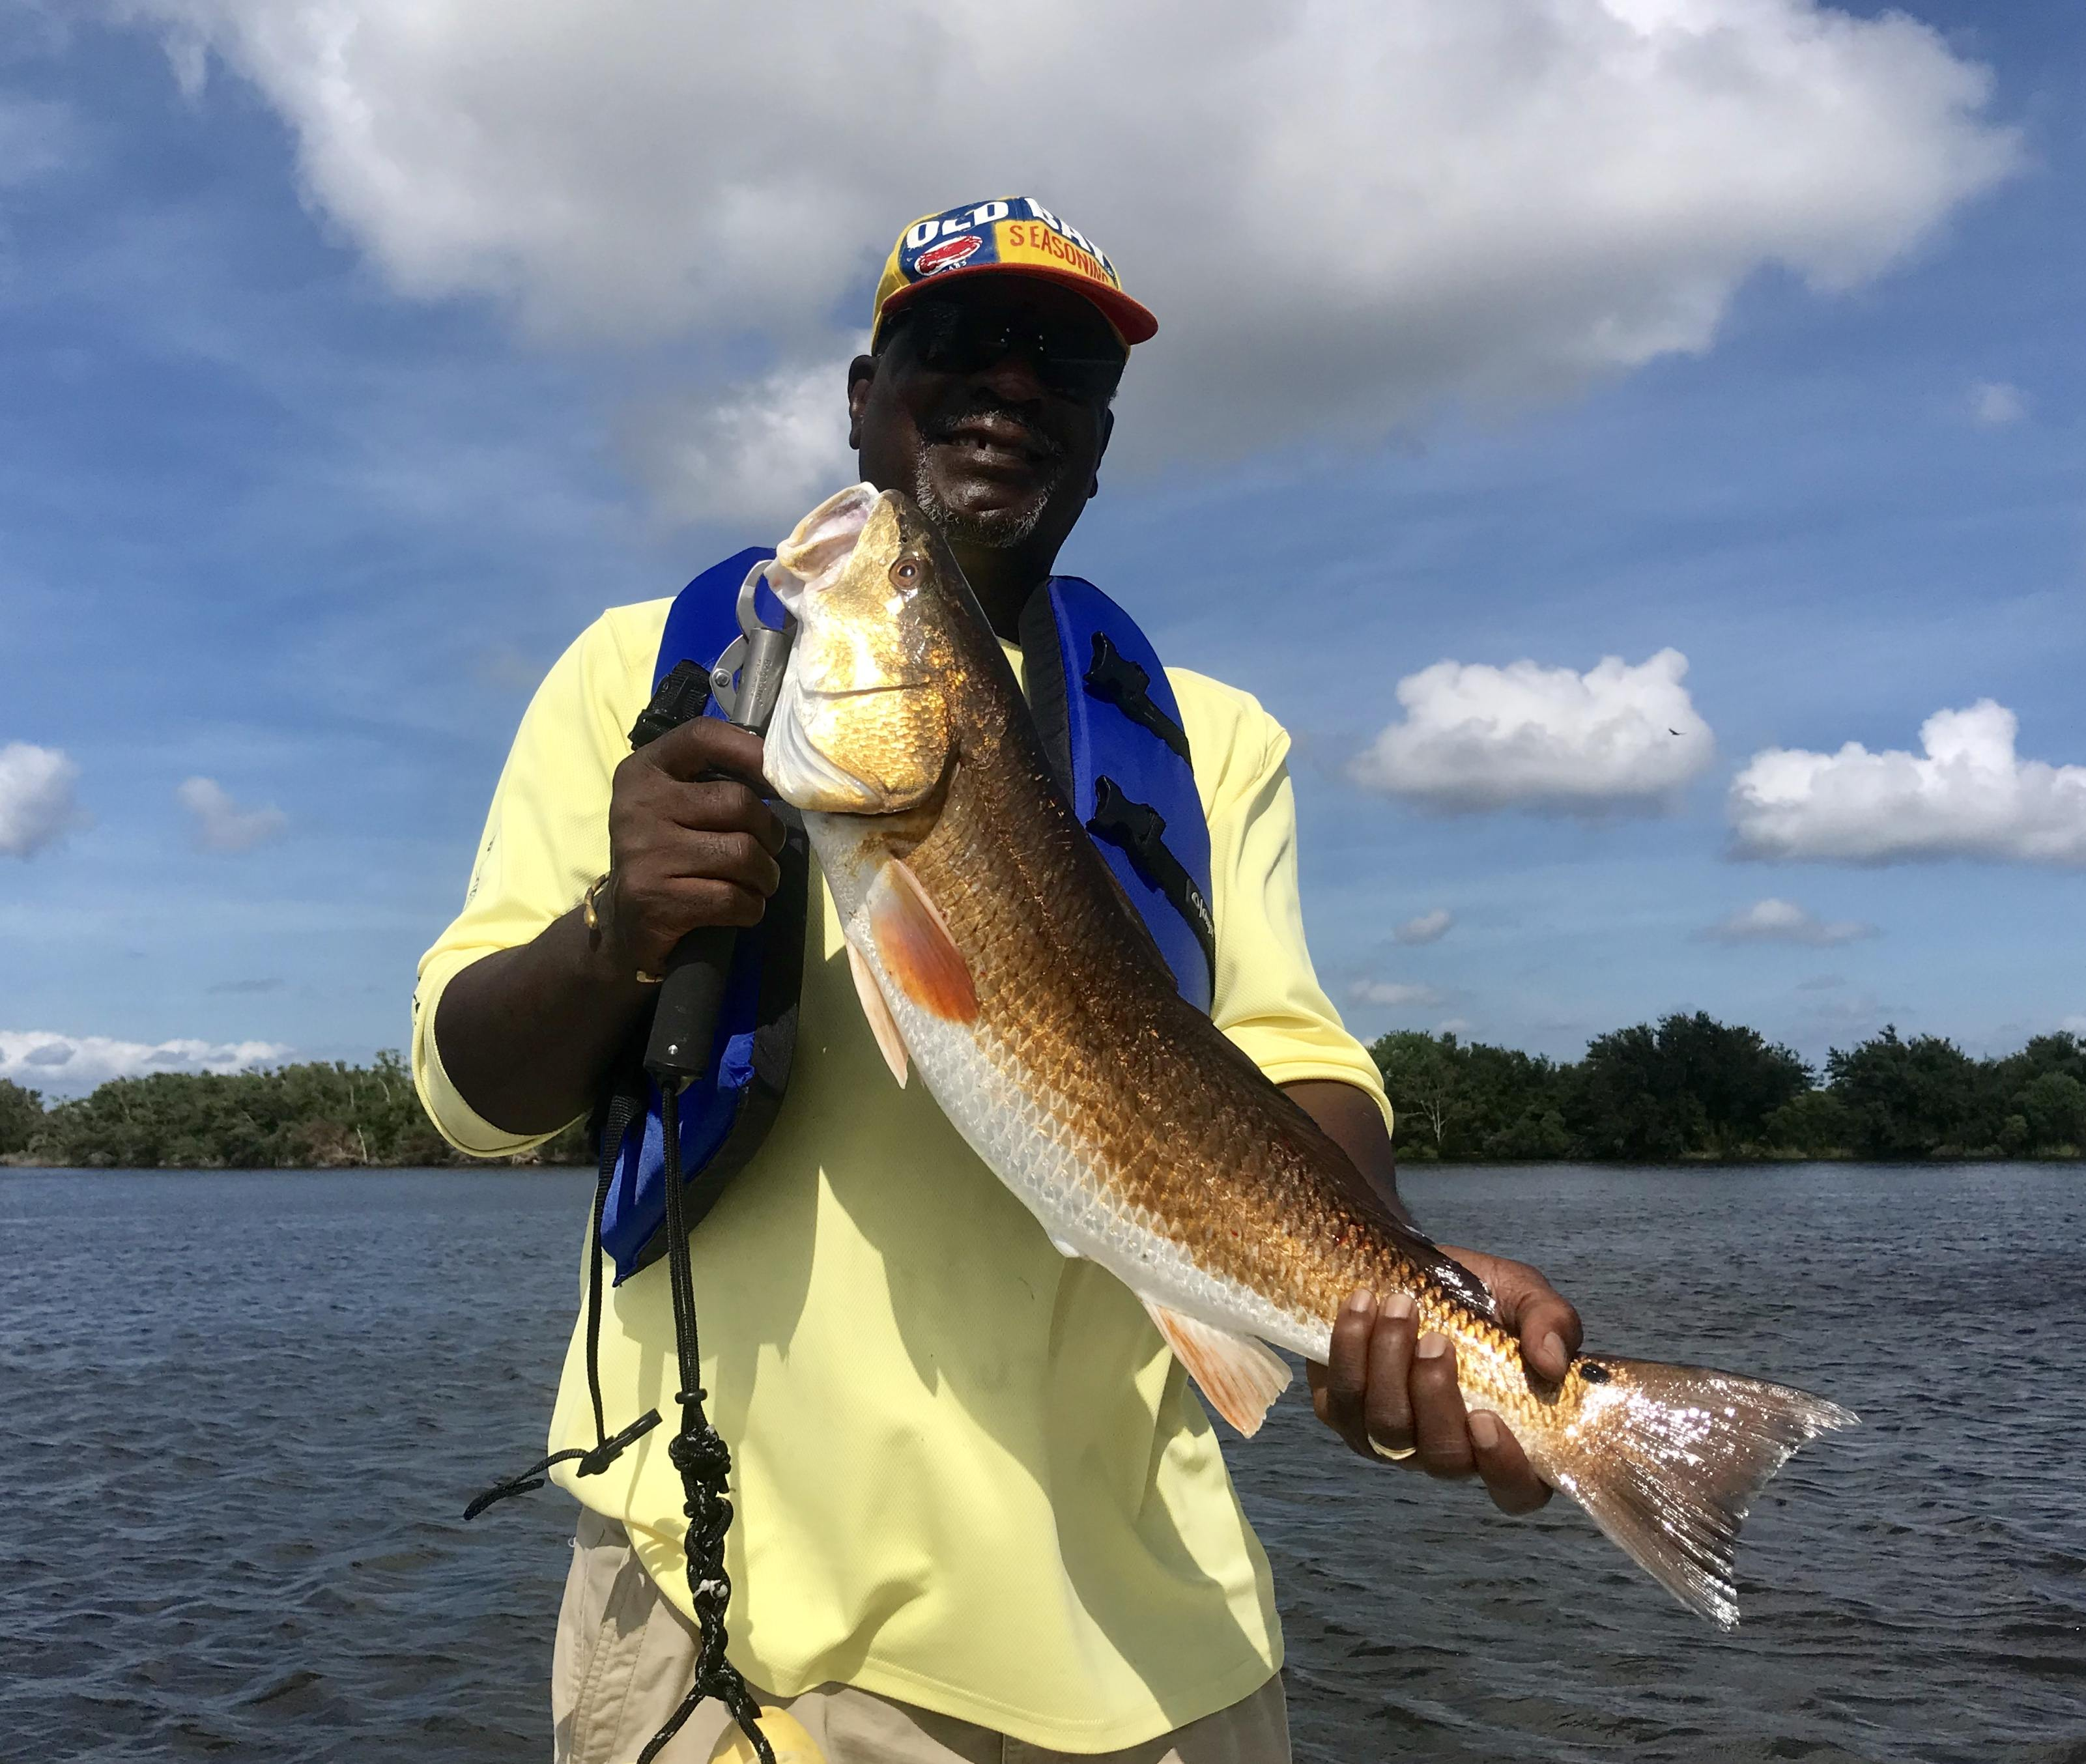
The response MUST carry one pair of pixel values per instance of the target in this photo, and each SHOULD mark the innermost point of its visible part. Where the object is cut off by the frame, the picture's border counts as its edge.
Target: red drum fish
(996, 956)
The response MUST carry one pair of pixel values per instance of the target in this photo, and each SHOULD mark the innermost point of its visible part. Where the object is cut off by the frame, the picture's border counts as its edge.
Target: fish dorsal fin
(1241, 1374)
(888, 1042)
(913, 944)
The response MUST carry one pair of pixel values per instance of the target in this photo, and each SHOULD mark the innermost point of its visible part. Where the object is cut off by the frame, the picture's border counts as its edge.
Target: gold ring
(1395, 1457)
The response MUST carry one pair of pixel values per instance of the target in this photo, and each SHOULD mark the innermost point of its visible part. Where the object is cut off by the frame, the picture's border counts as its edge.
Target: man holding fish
(980, 1514)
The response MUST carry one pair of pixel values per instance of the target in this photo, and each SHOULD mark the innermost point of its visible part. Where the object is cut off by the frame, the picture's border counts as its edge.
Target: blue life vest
(1111, 726)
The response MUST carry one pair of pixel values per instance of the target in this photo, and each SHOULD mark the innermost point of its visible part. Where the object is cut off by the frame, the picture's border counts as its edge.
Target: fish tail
(1668, 1458)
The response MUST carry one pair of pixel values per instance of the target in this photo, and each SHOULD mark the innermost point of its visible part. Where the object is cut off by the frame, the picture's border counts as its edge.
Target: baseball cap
(1015, 234)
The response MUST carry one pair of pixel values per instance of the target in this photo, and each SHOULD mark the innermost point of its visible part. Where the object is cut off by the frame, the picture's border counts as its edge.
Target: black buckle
(1139, 830)
(1121, 682)
(683, 695)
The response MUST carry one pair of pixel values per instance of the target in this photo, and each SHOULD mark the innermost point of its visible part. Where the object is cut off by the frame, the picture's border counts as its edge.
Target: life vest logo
(948, 254)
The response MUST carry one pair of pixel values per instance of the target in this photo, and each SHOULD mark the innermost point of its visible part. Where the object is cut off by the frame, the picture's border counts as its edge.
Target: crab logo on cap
(948, 254)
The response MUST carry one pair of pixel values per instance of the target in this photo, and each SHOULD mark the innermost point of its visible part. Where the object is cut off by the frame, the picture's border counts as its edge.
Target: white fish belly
(1023, 1135)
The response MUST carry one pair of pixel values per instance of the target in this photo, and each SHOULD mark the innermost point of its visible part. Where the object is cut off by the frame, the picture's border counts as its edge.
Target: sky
(1633, 445)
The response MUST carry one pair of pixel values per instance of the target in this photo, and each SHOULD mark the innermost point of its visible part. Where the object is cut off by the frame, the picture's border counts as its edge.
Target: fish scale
(1004, 966)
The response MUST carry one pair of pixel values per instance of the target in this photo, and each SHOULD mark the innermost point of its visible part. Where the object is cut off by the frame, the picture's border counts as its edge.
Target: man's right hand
(691, 843)
(528, 1034)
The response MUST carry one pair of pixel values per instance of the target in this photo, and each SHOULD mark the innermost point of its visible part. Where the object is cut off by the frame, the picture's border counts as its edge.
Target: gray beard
(1000, 530)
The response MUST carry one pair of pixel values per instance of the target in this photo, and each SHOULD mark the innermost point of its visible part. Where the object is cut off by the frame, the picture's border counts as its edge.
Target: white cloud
(1783, 921)
(41, 1060)
(1428, 927)
(1969, 795)
(1394, 993)
(1475, 738)
(37, 804)
(760, 452)
(1994, 404)
(221, 825)
(2075, 1025)
(1345, 213)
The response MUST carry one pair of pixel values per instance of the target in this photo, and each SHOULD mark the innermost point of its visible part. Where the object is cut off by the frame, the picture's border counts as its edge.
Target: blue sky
(290, 504)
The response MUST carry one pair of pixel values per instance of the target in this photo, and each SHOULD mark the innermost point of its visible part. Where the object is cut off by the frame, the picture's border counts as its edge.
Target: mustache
(944, 427)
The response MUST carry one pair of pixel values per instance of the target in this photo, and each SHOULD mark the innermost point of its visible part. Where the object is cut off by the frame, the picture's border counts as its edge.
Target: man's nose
(1015, 378)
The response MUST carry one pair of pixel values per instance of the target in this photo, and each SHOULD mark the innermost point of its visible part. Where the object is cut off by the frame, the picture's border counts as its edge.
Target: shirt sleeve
(1267, 997)
(546, 839)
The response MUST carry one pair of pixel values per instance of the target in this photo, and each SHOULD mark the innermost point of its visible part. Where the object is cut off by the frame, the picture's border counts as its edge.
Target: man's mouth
(992, 439)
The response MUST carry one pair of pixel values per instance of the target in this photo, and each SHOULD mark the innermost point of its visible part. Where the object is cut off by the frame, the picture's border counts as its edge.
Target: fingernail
(1398, 1305)
(1485, 1430)
(1432, 1346)
(1361, 1301)
(1553, 1352)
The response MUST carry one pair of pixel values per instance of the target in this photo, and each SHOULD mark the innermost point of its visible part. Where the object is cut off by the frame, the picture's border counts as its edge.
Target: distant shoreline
(1407, 1164)
(1687, 1090)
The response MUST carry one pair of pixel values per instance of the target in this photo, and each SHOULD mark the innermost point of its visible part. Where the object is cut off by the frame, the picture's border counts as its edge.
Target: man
(980, 1515)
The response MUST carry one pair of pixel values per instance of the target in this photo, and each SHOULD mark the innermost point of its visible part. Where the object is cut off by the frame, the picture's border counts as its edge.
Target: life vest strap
(1114, 676)
(1139, 830)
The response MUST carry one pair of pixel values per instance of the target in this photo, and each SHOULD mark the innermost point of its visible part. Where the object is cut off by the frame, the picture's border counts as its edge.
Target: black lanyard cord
(699, 1452)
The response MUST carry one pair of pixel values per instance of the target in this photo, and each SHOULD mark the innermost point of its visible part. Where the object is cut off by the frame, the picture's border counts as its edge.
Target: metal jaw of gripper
(745, 679)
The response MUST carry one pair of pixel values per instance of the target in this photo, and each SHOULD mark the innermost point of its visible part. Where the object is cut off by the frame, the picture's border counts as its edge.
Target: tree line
(1691, 1087)
(1685, 1087)
(316, 1116)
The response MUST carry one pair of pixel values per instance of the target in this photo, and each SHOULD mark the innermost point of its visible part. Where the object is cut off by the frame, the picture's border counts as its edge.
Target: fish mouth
(826, 692)
(819, 547)
(801, 774)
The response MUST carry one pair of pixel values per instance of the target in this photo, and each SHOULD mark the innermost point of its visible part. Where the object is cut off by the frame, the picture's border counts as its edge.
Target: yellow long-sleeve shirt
(968, 1472)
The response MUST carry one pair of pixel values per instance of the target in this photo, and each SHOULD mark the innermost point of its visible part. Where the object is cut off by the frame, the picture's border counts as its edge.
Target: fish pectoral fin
(888, 1042)
(1241, 1374)
(913, 943)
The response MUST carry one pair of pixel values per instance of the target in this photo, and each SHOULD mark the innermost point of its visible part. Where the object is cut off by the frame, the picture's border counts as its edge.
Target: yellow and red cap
(1010, 235)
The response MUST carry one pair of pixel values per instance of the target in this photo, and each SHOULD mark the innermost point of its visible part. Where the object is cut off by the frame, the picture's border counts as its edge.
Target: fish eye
(905, 573)
(1592, 1371)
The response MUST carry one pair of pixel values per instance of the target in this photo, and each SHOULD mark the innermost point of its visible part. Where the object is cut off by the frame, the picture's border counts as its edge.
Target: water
(239, 1477)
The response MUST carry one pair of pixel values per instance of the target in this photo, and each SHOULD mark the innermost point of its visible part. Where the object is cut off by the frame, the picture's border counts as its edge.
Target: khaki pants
(625, 1655)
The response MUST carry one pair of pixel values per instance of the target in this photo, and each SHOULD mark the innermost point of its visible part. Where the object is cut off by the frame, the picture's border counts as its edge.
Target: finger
(705, 744)
(732, 857)
(1549, 1331)
(680, 905)
(1508, 1477)
(1387, 1407)
(722, 805)
(1439, 1426)
(1346, 1369)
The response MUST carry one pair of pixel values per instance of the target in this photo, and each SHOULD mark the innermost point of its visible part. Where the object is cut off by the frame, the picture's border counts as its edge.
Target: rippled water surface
(243, 1412)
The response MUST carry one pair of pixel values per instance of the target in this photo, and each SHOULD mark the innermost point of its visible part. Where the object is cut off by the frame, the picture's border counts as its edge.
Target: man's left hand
(1390, 1392)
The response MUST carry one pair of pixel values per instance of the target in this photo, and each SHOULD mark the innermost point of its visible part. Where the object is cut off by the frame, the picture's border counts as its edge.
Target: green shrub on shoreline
(317, 1117)
(1687, 1089)
(1692, 1089)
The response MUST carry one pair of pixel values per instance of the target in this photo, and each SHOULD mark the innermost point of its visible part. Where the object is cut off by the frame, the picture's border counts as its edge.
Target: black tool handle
(690, 999)
(691, 996)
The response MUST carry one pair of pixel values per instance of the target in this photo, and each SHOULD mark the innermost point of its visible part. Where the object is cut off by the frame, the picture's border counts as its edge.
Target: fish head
(862, 723)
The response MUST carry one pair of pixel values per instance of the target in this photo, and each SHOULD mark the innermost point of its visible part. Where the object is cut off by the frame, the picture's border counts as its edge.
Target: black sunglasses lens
(1081, 375)
(963, 340)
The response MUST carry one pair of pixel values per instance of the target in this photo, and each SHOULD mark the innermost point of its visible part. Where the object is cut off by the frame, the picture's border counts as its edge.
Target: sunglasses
(957, 336)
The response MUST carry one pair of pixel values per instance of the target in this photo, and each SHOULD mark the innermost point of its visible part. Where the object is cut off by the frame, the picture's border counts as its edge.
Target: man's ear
(861, 375)
(1108, 429)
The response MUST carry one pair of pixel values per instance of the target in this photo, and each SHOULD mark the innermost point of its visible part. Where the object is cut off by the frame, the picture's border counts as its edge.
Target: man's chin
(973, 509)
